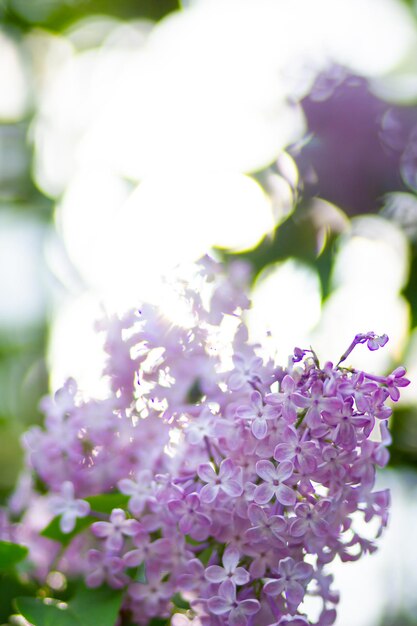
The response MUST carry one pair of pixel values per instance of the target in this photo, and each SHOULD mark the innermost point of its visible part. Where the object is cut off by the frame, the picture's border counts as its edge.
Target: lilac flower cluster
(242, 480)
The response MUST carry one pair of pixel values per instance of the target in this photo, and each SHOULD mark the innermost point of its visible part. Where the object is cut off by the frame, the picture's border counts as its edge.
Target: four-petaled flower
(227, 480)
(188, 513)
(394, 380)
(274, 484)
(265, 525)
(302, 453)
(114, 530)
(258, 413)
(141, 491)
(229, 571)
(102, 567)
(246, 369)
(310, 518)
(291, 579)
(226, 602)
(68, 507)
(287, 399)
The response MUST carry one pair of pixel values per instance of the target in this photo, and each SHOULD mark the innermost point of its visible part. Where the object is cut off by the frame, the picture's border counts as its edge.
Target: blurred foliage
(296, 237)
(405, 619)
(56, 15)
(410, 290)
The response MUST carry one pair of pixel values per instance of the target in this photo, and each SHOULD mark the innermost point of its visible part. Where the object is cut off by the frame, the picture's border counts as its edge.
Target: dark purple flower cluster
(242, 480)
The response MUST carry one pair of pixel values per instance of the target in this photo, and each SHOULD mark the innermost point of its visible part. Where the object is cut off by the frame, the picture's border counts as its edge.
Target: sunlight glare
(286, 302)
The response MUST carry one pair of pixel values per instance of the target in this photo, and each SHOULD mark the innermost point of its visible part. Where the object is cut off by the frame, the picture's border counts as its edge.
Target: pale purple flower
(103, 568)
(229, 571)
(194, 576)
(377, 503)
(153, 593)
(274, 483)
(246, 369)
(233, 531)
(146, 549)
(258, 413)
(310, 518)
(291, 578)
(141, 490)
(346, 424)
(265, 526)
(377, 407)
(62, 405)
(287, 399)
(200, 427)
(227, 481)
(316, 402)
(68, 507)
(116, 529)
(226, 603)
(302, 453)
(360, 390)
(264, 556)
(394, 380)
(188, 513)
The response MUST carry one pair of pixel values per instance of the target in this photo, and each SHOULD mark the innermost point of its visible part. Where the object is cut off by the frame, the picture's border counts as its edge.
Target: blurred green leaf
(141, 574)
(10, 456)
(96, 607)
(41, 614)
(53, 530)
(179, 601)
(10, 554)
(105, 503)
(205, 555)
(10, 588)
(138, 574)
(88, 607)
(403, 450)
(296, 237)
(410, 291)
(59, 14)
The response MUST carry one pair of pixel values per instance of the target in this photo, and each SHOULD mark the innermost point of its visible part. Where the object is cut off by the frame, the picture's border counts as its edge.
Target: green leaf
(10, 554)
(156, 621)
(141, 574)
(138, 574)
(96, 607)
(205, 555)
(88, 607)
(10, 588)
(53, 530)
(191, 541)
(179, 601)
(41, 614)
(105, 503)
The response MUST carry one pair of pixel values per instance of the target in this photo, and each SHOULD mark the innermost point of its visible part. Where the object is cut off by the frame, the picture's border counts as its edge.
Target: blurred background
(139, 134)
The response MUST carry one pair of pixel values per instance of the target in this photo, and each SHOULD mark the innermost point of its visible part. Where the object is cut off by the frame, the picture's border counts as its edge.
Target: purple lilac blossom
(269, 468)
(68, 507)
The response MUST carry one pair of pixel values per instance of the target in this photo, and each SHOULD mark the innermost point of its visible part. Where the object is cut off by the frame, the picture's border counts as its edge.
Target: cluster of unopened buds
(237, 481)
